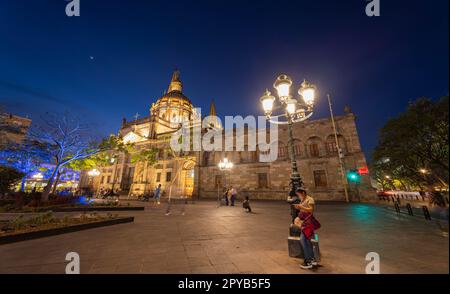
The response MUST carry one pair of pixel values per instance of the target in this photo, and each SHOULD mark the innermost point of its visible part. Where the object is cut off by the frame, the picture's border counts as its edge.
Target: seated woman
(308, 224)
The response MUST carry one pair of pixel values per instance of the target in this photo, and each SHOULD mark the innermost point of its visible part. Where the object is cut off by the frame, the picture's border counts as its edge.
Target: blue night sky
(229, 51)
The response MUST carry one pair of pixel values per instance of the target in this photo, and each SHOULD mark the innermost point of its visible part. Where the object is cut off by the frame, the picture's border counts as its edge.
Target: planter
(63, 230)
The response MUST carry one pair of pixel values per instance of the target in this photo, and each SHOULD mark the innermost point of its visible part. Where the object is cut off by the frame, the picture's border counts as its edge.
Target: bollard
(426, 213)
(397, 207)
(410, 211)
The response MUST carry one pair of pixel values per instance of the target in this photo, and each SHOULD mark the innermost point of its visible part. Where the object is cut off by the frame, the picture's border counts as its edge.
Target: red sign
(363, 170)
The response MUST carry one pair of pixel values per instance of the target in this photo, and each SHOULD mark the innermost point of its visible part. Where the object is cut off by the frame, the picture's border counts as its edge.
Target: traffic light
(353, 176)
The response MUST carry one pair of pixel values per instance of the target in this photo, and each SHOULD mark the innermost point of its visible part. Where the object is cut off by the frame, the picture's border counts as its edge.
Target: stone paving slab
(207, 239)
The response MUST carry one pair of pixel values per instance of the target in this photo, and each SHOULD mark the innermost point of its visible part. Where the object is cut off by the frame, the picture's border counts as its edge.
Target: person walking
(157, 197)
(233, 197)
(226, 196)
(308, 224)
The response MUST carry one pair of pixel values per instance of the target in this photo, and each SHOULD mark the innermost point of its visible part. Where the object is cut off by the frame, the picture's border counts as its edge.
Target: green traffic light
(353, 176)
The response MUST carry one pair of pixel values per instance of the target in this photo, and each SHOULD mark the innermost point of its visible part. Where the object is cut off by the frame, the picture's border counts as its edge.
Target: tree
(27, 157)
(413, 141)
(149, 156)
(69, 141)
(8, 177)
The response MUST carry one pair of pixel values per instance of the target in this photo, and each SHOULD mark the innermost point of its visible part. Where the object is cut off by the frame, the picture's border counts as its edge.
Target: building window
(298, 149)
(168, 176)
(158, 177)
(320, 178)
(219, 181)
(103, 180)
(109, 179)
(161, 154)
(206, 158)
(254, 156)
(282, 150)
(332, 148)
(314, 150)
(263, 180)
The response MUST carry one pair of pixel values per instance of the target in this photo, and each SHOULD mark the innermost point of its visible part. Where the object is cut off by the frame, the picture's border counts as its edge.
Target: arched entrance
(188, 175)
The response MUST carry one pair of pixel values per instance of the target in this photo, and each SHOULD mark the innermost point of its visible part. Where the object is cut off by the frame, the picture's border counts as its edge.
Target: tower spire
(212, 109)
(215, 123)
(175, 83)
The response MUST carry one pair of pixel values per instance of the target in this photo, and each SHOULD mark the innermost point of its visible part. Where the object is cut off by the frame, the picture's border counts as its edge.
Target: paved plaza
(207, 239)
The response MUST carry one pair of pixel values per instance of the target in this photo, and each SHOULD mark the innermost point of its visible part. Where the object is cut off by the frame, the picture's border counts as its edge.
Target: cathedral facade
(196, 175)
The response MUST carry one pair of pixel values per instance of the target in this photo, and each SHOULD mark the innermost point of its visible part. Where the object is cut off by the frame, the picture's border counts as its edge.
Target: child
(246, 204)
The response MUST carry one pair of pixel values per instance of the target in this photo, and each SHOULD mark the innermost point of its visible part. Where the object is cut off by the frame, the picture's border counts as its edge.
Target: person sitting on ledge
(308, 224)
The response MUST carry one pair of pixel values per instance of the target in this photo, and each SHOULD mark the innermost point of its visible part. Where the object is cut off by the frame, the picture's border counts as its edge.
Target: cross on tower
(136, 116)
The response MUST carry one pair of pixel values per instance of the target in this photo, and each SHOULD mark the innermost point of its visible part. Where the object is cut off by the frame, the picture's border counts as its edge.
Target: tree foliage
(150, 156)
(415, 140)
(9, 176)
(71, 140)
(27, 157)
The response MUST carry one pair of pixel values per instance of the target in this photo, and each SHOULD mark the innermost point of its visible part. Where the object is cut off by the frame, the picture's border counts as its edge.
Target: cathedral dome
(177, 95)
(175, 91)
(173, 107)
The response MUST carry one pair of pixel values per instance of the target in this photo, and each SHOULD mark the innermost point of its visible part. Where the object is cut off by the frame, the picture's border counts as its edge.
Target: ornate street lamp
(225, 164)
(287, 110)
(92, 174)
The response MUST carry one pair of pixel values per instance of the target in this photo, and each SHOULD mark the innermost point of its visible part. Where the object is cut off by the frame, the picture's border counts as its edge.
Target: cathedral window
(205, 158)
(158, 177)
(314, 150)
(263, 180)
(332, 148)
(282, 151)
(320, 178)
(168, 176)
(298, 149)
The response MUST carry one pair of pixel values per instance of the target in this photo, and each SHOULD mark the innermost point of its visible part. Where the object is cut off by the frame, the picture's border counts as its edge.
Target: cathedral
(196, 174)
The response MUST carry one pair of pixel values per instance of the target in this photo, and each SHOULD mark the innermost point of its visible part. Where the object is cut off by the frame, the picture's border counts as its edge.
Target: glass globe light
(283, 84)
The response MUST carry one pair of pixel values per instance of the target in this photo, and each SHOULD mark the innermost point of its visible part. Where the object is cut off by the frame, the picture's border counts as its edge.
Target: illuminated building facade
(197, 175)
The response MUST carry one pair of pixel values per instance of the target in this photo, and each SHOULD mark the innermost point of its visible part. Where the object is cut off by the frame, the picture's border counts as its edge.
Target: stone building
(13, 128)
(195, 174)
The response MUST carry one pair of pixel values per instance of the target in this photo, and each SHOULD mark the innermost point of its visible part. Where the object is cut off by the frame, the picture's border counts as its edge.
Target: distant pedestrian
(246, 205)
(308, 224)
(157, 197)
(233, 193)
(226, 196)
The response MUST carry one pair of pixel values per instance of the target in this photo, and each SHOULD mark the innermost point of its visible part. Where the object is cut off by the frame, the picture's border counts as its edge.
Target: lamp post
(224, 165)
(290, 110)
(92, 174)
